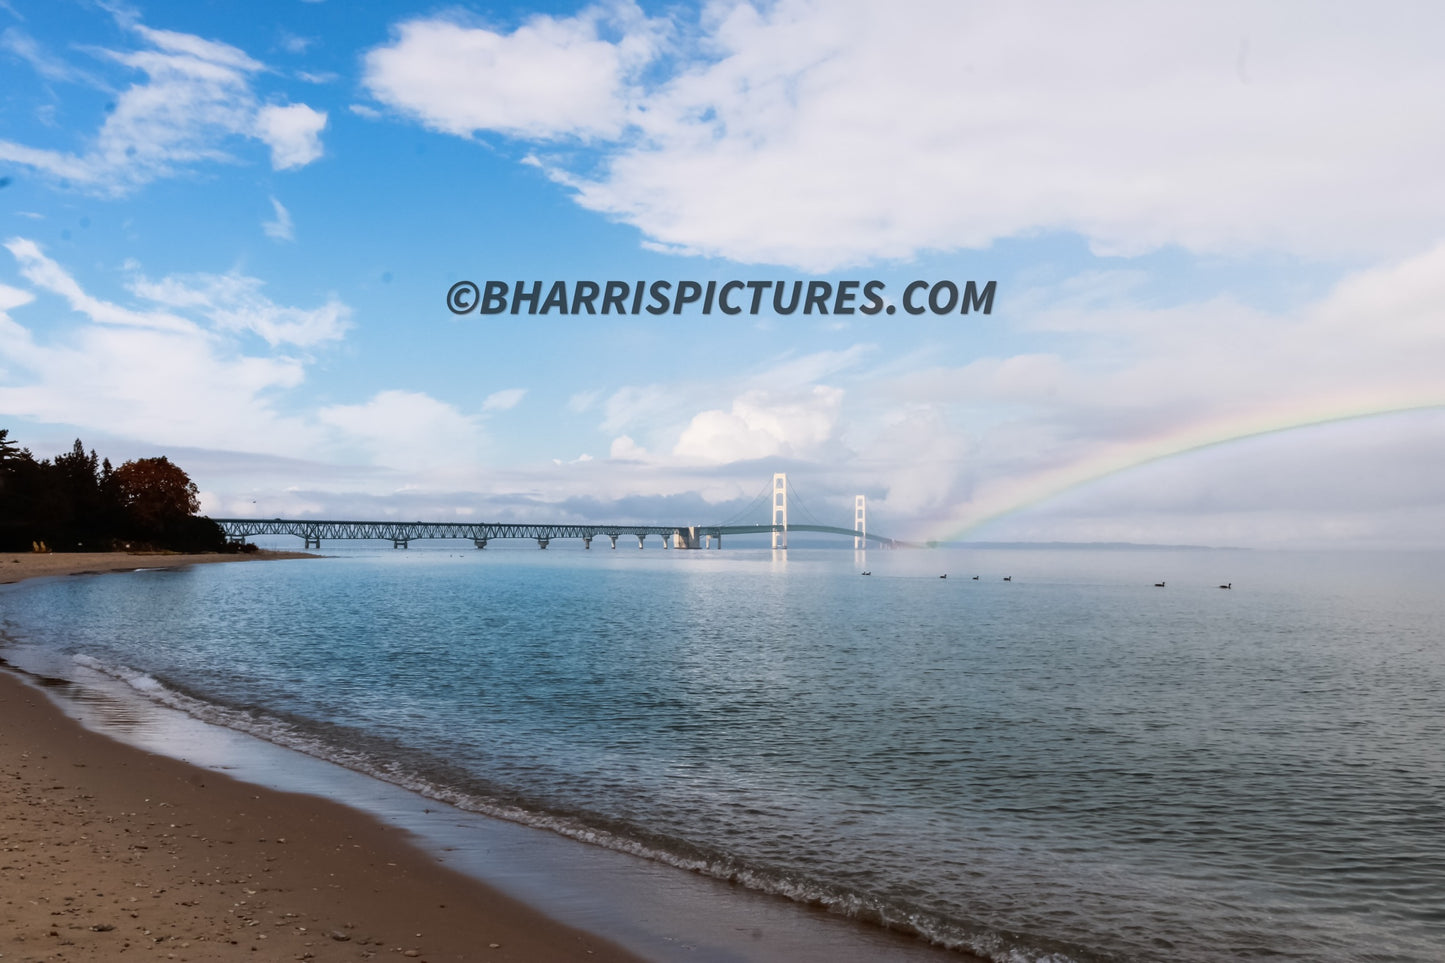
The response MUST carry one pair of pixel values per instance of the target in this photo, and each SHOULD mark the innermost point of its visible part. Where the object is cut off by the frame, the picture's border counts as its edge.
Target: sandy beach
(111, 853)
(15, 567)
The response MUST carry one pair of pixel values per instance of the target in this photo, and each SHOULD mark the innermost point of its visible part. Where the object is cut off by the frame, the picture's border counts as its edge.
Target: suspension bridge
(400, 534)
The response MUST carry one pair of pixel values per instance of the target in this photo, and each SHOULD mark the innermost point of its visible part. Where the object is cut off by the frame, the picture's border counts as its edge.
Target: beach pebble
(339, 936)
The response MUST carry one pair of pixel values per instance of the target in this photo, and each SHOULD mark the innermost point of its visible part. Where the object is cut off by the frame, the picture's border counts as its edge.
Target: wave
(863, 907)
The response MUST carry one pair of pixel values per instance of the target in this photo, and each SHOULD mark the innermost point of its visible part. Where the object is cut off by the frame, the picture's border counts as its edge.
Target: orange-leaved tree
(156, 493)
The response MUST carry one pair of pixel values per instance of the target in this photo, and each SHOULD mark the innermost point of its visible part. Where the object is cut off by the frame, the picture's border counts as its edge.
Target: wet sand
(108, 853)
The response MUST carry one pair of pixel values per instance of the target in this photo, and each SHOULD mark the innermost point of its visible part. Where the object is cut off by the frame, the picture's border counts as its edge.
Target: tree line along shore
(78, 501)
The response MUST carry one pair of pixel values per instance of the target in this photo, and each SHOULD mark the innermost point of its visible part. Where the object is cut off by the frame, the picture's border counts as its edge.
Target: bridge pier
(614, 541)
(586, 541)
(479, 542)
(542, 541)
(400, 543)
(640, 537)
(312, 542)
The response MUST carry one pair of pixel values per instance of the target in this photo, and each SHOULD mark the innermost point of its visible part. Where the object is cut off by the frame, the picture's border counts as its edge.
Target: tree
(8, 453)
(77, 501)
(155, 493)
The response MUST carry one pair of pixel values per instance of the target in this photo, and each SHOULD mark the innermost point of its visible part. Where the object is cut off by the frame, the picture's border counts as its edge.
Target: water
(1072, 765)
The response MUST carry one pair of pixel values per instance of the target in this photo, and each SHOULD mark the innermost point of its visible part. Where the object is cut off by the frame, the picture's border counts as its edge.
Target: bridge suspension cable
(754, 509)
(796, 500)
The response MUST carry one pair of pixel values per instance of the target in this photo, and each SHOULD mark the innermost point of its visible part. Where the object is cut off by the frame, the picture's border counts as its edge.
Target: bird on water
(1158, 584)
(1229, 586)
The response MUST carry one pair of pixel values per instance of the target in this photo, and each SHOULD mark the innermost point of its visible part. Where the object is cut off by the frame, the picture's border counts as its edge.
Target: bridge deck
(313, 530)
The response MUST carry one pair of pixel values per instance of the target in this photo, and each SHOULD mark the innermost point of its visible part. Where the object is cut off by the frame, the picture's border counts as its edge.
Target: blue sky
(1216, 232)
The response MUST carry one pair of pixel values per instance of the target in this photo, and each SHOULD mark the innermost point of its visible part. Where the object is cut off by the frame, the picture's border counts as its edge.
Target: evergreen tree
(78, 501)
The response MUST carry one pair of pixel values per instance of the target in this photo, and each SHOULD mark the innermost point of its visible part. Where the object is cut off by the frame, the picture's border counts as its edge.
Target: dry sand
(111, 853)
(14, 567)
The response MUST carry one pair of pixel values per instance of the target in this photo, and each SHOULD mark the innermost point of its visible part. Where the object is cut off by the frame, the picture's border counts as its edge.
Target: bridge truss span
(312, 531)
(480, 533)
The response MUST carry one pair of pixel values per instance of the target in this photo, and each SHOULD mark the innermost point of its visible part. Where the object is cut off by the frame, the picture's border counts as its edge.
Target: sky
(1216, 234)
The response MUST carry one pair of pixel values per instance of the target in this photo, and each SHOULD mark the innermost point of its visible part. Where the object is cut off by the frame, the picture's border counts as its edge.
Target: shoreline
(524, 893)
(19, 566)
(111, 849)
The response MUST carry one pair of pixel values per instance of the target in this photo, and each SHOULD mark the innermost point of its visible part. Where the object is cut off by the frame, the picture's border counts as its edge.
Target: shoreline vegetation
(111, 850)
(78, 501)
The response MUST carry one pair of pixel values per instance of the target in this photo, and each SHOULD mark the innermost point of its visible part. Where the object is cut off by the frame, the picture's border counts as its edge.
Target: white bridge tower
(780, 509)
(860, 523)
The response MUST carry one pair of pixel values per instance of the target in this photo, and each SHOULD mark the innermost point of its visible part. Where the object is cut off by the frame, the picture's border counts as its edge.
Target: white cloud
(234, 303)
(281, 228)
(823, 134)
(149, 375)
(197, 96)
(549, 77)
(504, 400)
(48, 275)
(294, 133)
(762, 424)
(623, 448)
(407, 429)
(13, 297)
(16, 41)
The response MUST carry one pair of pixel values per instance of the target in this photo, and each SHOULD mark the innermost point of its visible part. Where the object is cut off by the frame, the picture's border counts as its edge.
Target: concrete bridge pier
(586, 541)
(542, 541)
(479, 542)
(395, 543)
(312, 542)
(640, 537)
(614, 541)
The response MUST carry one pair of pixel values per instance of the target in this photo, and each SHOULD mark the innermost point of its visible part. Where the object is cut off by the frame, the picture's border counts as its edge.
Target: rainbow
(1006, 496)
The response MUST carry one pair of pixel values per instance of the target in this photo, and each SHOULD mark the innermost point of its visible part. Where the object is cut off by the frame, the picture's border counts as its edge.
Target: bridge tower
(860, 523)
(780, 509)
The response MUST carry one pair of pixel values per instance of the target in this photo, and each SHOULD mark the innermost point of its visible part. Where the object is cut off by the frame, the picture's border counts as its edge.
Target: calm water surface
(1072, 765)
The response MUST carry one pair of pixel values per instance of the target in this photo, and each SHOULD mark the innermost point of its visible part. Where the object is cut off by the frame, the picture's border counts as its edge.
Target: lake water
(1070, 765)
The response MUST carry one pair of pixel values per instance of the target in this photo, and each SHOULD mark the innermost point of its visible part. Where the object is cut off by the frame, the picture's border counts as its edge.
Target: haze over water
(1073, 762)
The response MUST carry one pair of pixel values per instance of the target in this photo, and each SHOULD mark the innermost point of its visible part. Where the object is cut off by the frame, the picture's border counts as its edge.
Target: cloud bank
(831, 134)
